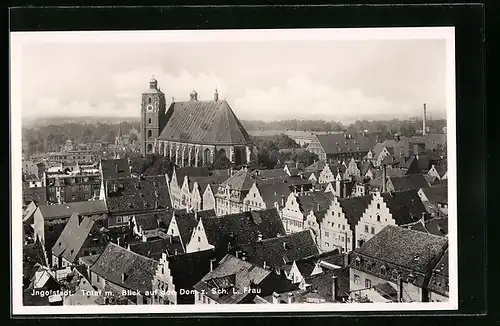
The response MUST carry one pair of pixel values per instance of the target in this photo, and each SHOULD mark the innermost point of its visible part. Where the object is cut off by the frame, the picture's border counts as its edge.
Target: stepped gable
(127, 195)
(405, 206)
(354, 208)
(204, 122)
(125, 268)
(278, 251)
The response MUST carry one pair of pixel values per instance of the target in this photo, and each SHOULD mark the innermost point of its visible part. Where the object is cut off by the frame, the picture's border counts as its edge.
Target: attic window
(357, 262)
(395, 274)
(383, 270)
(369, 265)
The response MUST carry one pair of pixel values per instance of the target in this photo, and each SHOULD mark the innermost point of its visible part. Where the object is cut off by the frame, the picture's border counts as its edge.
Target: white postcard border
(20, 38)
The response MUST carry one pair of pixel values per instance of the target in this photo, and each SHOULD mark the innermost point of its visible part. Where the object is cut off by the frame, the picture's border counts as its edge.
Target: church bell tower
(153, 116)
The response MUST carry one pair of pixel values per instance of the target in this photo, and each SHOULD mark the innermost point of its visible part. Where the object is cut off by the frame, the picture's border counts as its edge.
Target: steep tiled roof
(407, 182)
(203, 182)
(439, 281)
(242, 180)
(206, 122)
(240, 275)
(386, 290)
(272, 193)
(405, 206)
(365, 166)
(316, 167)
(186, 222)
(437, 226)
(115, 168)
(315, 201)
(272, 173)
(32, 254)
(148, 221)
(405, 250)
(242, 228)
(279, 251)
(339, 143)
(93, 207)
(189, 269)
(322, 284)
(153, 249)
(125, 268)
(354, 208)
(436, 194)
(398, 147)
(190, 171)
(38, 195)
(77, 230)
(128, 195)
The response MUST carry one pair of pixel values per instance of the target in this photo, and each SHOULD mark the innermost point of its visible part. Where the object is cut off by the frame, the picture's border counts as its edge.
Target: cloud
(300, 97)
(47, 107)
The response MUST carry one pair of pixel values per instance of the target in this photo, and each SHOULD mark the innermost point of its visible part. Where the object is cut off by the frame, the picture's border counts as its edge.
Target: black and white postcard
(299, 170)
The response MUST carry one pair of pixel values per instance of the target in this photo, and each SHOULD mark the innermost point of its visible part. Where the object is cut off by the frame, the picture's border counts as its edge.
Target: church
(194, 132)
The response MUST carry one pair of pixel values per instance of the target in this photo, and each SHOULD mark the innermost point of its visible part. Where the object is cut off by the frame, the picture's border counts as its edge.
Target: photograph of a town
(234, 172)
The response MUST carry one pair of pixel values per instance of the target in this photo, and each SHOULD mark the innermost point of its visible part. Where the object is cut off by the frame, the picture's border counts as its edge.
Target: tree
(306, 158)
(221, 162)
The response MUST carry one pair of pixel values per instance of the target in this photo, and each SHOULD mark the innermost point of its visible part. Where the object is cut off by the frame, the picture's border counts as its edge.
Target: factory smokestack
(424, 129)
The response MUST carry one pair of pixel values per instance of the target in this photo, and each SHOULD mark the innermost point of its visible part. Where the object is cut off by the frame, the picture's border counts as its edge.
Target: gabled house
(438, 171)
(225, 232)
(235, 281)
(395, 266)
(120, 270)
(299, 206)
(50, 220)
(410, 165)
(435, 226)
(330, 172)
(278, 252)
(143, 224)
(202, 196)
(392, 208)
(337, 227)
(177, 275)
(176, 181)
(265, 196)
(334, 147)
(407, 182)
(126, 197)
(353, 169)
(33, 257)
(435, 199)
(81, 237)
(183, 224)
(42, 281)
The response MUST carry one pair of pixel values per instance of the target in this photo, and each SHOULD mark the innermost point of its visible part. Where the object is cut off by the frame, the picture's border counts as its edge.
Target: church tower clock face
(150, 107)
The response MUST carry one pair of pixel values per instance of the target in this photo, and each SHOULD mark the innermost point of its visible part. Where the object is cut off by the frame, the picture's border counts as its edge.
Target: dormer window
(357, 262)
(383, 270)
(395, 274)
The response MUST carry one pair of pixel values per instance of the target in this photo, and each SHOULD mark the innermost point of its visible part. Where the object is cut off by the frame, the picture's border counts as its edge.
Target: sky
(341, 80)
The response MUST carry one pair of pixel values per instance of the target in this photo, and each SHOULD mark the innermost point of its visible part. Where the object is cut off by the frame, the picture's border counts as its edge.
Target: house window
(97, 278)
(149, 120)
(366, 228)
(119, 220)
(342, 238)
(348, 239)
(368, 283)
(395, 275)
(369, 265)
(356, 279)
(199, 239)
(378, 205)
(327, 244)
(378, 218)
(327, 234)
(373, 230)
(383, 270)
(343, 227)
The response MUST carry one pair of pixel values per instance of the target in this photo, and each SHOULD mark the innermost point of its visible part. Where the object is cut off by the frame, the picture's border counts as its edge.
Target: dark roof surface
(32, 254)
(338, 143)
(186, 222)
(436, 194)
(137, 194)
(315, 201)
(272, 193)
(354, 208)
(115, 168)
(116, 261)
(93, 207)
(190, 172)
(411, 181)
(405, 206)
(155, 248)
(148, 221)
(38, 195)
(406, 248)
(72, 238)
(205, 122)
(279, 251)
(439, 281)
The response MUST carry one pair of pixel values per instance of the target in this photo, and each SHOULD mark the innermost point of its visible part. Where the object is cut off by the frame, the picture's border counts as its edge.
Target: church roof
(212, 122)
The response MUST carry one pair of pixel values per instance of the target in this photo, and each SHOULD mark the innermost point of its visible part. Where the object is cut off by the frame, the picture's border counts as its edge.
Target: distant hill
(45, 121)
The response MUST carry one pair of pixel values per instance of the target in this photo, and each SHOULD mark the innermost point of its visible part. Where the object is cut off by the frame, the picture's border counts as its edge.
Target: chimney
(216, 95)
(193, 96)
(212, 261)
(276, 298)
(424, 120)
(237, 254)
(285, 245)
(124, 277)
(296, 165)
(264, 265)
(282, 200)
(384, 178)
(289, 298)
(346, 259)
(334, 288)
(319, 207)
(116, 168)
(302, 189)
(400, 289)
(118, 241)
